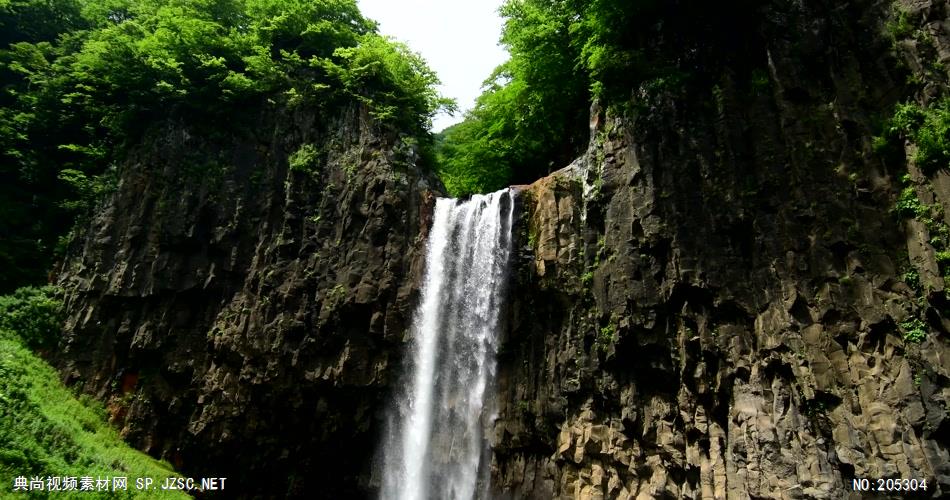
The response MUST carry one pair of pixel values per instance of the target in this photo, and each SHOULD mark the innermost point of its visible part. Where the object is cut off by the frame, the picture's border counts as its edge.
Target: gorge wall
(239, 299)
(716, 300)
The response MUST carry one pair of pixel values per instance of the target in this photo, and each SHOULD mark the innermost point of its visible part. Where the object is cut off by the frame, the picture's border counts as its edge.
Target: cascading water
(436, 445)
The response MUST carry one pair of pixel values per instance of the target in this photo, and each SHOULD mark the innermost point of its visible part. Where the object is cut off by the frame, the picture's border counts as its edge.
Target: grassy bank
(46, 431)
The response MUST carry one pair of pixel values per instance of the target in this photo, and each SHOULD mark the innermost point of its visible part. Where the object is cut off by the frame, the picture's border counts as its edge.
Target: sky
(458, 38)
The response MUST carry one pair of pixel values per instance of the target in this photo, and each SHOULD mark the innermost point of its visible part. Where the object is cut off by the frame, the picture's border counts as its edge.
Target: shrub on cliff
(928, 128)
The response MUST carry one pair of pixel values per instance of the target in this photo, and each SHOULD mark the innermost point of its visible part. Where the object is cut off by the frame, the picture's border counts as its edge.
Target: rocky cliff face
(239, 299)
(718, 300)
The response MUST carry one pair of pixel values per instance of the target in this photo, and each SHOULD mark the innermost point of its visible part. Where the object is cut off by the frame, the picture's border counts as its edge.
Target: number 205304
(864, 484)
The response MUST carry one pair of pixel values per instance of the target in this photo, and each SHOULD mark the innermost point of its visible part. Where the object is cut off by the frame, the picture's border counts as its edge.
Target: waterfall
(436, 445)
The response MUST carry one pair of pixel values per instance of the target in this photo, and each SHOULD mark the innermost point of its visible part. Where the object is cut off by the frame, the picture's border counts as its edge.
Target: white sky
(458, 38)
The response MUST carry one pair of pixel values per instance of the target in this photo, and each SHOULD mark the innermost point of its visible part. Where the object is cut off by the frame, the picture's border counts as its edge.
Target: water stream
(436, 444)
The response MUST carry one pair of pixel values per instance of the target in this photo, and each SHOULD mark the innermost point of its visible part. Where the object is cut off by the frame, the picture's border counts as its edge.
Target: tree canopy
(81, 79)
(532, 116)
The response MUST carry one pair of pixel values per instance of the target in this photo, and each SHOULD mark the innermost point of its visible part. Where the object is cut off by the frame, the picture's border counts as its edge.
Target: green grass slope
(46, 431)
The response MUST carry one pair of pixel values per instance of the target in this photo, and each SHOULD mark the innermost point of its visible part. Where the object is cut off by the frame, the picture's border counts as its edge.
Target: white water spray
(436, 445)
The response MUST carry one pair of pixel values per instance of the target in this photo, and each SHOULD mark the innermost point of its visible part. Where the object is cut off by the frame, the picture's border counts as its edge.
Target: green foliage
(928, 128)
(86, 189)
(609, 35)
(912, 279)
(900, 25)
(37, 21)
(608, 333)
(915, 331)
(390, 79)
(943, 258)
(82, 80)
(532, 237)
(46, 431)
(908, 205)
(304, 159)
(532, 117)
(471, 161)
(760, 81)
(606, 336)
(933, 139)
(34, 314)
(587, 278)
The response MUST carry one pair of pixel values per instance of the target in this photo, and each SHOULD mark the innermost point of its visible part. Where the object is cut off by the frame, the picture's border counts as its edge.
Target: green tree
(532, 115)
(83, 79)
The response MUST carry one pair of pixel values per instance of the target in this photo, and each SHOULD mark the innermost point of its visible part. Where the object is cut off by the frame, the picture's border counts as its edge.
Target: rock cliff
(719, 301)
(240, 298)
